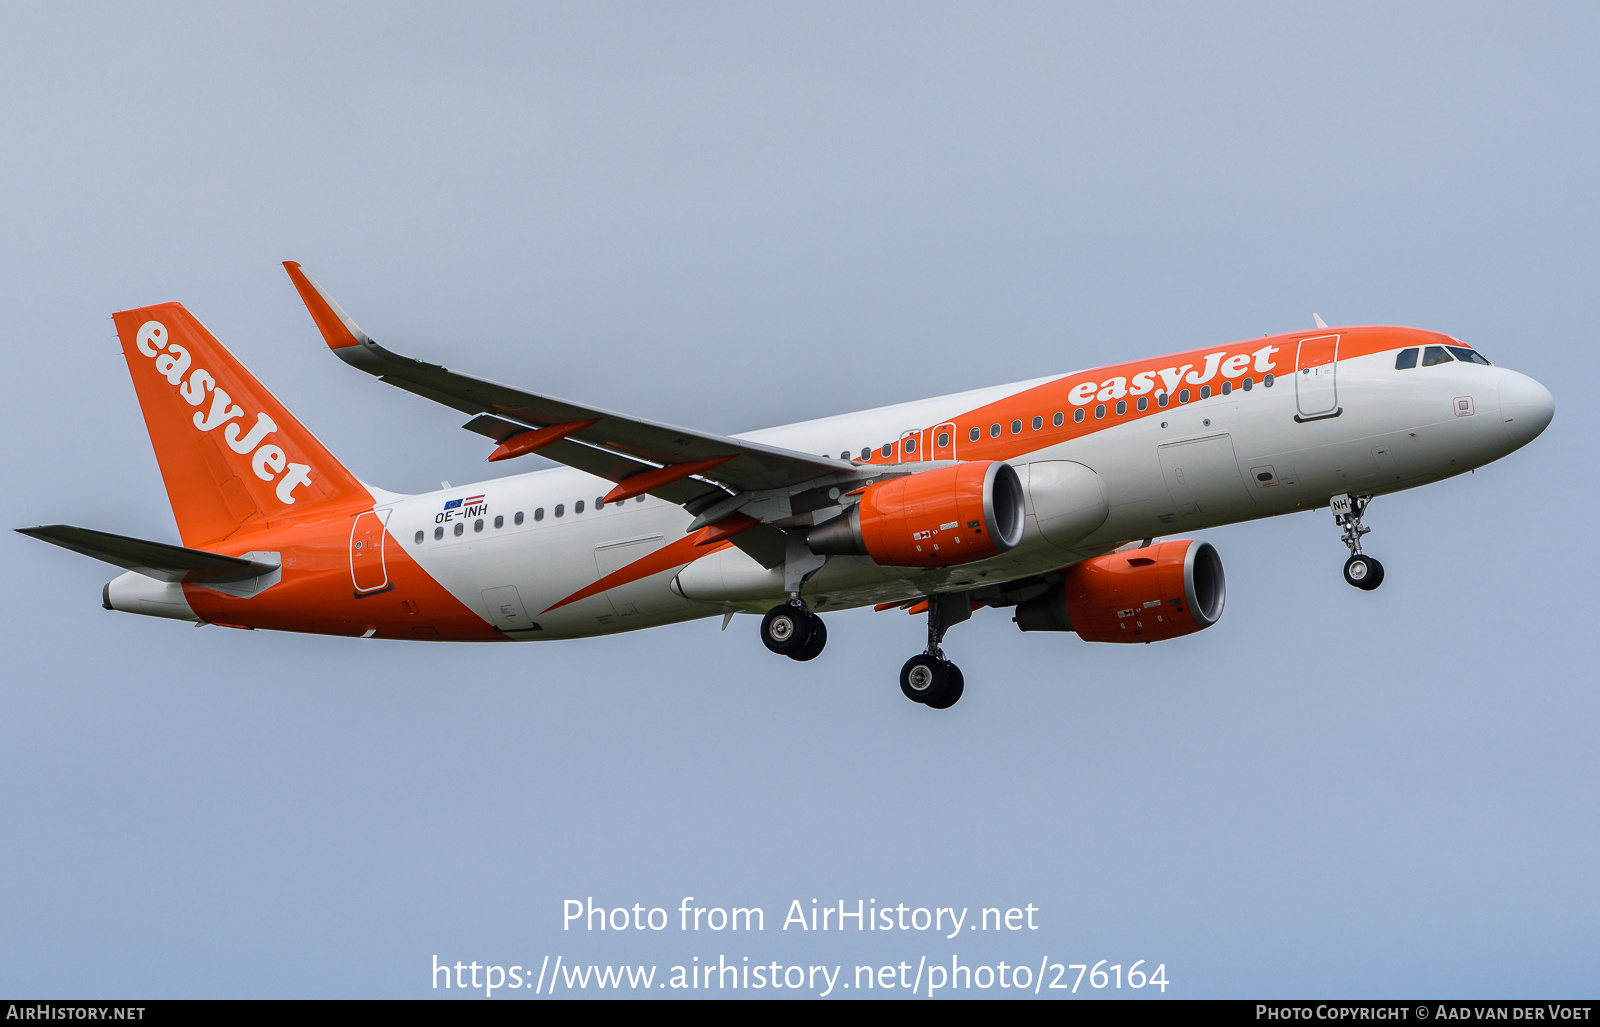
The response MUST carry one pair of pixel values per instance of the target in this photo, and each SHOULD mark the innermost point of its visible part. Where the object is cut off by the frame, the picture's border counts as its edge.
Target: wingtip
(338, 330)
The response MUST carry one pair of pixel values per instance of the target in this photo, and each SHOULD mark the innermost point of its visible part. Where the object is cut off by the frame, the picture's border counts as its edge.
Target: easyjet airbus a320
(1052, 497)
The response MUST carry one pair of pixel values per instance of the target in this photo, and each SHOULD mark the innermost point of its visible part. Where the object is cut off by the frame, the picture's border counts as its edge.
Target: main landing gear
(1360, 570)
(792, 630)
(928, 677)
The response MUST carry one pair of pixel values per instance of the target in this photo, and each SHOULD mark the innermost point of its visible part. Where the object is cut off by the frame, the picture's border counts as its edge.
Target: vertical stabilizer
(233, 458)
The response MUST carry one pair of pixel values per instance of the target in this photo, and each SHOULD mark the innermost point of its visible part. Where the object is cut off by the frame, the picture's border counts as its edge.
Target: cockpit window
(1405, 358)
(1434, 355)
(1468, 356)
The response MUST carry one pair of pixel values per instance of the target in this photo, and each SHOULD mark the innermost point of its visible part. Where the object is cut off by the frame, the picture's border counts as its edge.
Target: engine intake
(953, 515)
(1136, 595)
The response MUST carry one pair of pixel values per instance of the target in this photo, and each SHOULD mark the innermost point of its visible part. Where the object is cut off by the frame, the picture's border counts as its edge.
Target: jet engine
(1135, 595)
(953, 515)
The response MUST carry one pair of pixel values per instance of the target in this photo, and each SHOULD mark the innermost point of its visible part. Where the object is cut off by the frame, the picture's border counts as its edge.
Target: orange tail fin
(233, 459)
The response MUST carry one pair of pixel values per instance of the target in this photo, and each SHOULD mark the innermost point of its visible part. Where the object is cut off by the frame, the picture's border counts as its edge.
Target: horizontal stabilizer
(152, 559)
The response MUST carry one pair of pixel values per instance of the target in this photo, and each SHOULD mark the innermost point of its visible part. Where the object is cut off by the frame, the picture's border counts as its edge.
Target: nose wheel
(1363, 572)
(1360, 570)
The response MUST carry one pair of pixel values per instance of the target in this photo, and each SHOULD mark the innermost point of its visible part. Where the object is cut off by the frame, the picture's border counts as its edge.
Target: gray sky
(734, 216)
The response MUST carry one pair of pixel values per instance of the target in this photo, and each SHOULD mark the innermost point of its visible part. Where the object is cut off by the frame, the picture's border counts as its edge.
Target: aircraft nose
(1526, 406)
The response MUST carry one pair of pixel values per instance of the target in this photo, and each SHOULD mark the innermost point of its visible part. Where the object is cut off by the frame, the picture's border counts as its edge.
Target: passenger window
(477, 525)
(975, 434)
(1038, 422)
(1227, 387)
(1056, 420)
(910, 445)
(1016, 427)
(1122, 406)
(517, 517)
(1077, 415)
(560, 509)
(577, 507)
(1405, 359)
(1248, 383)
(419, 538)
(888, 447)
(1183, 396)
(944, 439)
(1161, 399)
(1205, 392)
(1267, 380)
(1144, 401)
(640, 499)
(499, 521)
(866, 454)
(994, 431)
(1468, 356)
(461, 526)
(1435, 355)
(1100, 410)
(438, 533)
(599, 502)
(538, 514)
(845, 455)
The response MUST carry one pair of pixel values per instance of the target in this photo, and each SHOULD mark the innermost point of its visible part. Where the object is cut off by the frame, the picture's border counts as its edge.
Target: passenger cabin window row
(560, 510)
(1431, 355)
(1101, 410)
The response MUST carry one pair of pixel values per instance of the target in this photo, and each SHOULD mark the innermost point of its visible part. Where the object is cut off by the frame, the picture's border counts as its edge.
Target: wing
(664, 459)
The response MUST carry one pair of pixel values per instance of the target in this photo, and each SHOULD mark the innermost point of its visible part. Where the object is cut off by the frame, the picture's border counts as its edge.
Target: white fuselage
(1225, 459)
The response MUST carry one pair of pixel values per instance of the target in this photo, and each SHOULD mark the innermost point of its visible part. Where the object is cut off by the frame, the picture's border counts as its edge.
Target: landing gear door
(1316, 389)
(367, 570)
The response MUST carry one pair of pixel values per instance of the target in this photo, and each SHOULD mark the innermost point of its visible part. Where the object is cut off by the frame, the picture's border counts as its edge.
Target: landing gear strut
(1360, 570)
(792, 630)
(928, 677)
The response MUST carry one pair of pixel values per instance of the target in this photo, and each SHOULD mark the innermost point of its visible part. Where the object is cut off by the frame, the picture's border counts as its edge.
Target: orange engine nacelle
(939, 518)
(1136, 595)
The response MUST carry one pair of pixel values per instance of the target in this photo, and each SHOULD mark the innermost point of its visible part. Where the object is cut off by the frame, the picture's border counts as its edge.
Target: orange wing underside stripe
(686, 550)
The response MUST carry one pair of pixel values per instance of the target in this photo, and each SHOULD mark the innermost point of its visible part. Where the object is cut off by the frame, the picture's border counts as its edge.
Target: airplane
(1054, 498)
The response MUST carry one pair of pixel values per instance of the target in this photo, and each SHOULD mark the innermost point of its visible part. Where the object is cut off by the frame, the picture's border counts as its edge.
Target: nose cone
(1526, 406)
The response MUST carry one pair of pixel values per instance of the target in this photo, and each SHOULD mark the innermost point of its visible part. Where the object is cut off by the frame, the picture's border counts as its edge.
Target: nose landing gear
(1360, 570)
(928, 677)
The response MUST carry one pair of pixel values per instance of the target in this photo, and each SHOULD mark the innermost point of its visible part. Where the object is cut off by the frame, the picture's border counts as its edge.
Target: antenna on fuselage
(1318, 319)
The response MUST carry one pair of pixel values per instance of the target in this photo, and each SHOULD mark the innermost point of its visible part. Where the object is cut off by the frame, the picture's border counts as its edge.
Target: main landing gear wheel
(787, 629)
(953, 687)
(928, 677)
(1363, 572)
(931, 680)
(812, 649)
